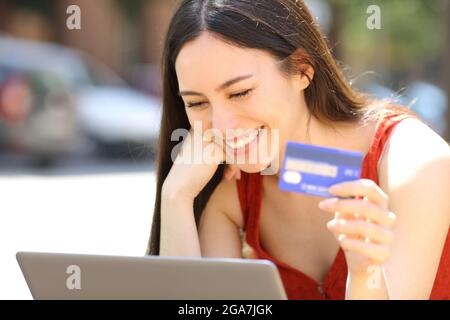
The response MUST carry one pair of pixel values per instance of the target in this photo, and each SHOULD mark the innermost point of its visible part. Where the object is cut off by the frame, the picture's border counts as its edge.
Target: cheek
(264, 108)
(286, 114)
(276, 106)
(199, 117)
(274, 113)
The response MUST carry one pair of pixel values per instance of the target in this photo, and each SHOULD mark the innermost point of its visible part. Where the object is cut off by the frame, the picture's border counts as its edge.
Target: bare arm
(409, 218)
(417, 181)
(179, 235)
(217, 234)
(186, 179)
(422, 205)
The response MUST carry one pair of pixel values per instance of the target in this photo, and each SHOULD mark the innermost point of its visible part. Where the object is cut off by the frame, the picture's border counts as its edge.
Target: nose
(223, 119)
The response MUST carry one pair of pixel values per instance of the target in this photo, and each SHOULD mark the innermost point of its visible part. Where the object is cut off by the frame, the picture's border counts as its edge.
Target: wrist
(172, 195)
(356, 277)
(367, 285)
(365, 273)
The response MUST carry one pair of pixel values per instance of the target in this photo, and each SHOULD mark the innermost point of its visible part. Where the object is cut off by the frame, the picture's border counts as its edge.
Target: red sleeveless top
(299, 285)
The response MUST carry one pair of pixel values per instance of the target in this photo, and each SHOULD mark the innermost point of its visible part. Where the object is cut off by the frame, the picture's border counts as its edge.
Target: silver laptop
(80, 276)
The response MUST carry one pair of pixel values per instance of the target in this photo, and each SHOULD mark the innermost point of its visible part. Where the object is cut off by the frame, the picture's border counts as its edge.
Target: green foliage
(130, 7)
(411, 32)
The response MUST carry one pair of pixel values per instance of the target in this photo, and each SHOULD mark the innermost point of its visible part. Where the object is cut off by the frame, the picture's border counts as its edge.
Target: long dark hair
(285, 29)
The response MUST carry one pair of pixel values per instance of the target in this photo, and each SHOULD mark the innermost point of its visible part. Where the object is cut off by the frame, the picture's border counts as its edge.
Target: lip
(245, 150)
(245, 134)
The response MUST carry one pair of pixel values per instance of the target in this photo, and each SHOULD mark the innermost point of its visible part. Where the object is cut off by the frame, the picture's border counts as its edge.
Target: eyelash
(232, 96)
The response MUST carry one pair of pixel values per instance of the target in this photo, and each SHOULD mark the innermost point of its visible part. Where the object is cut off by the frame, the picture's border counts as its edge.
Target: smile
(244, 140)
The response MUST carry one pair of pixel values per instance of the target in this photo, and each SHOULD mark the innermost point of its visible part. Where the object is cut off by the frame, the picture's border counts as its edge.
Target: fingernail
(334, 189)
(331, 224)
(327, 204)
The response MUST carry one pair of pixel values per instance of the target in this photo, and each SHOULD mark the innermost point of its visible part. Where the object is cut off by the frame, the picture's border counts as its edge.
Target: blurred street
(92, 206)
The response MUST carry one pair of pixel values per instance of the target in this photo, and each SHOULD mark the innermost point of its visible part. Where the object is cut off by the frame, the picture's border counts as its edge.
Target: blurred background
(80, 110)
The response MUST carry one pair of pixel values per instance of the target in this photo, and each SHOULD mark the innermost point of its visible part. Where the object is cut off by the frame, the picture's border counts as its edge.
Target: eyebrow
(221, 87)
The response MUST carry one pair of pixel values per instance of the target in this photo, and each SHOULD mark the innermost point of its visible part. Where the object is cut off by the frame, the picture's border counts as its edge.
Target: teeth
(243, 141)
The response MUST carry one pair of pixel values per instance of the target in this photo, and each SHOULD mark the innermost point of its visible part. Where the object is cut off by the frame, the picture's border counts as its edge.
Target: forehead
(208, 60)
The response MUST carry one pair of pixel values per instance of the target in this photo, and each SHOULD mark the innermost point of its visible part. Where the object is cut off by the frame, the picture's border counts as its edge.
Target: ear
(302, 65)
(307, 75)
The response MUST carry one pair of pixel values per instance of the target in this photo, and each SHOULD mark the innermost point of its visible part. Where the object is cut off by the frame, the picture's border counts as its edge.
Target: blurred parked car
(36, 115)
(94, 104)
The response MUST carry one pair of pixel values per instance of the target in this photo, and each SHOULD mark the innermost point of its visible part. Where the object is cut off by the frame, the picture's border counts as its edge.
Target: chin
(258, 154)
(268, 162)
(253, 168)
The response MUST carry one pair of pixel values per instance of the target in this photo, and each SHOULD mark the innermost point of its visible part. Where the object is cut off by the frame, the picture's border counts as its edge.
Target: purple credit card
(312, 169)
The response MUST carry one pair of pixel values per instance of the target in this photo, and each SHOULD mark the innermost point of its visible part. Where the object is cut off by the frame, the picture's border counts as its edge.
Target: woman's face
(259, 97)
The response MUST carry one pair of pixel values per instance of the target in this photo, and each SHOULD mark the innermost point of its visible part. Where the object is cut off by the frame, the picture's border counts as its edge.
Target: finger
(199, 148)
(373, 251)
(213, 154)
(227, 173)
(345, 216)
(211, 149)
(348, 216)
(361, 188)
(365, 209)
(236, 173)
(231, 172)
(361, 229)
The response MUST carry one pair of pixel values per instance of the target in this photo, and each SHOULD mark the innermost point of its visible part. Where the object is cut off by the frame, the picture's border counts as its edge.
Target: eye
(232, 96)
(241, 94)
(196, 104)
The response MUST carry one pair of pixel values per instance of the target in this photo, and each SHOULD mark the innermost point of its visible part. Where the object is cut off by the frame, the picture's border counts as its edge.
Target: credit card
(312, 169)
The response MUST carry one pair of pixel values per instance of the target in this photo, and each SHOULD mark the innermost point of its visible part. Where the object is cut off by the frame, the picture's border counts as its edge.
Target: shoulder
(415, 174)
(415, 165)
(411, 146)
(225, 199)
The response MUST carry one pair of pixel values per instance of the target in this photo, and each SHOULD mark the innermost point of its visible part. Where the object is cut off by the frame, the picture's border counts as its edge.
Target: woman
(245, 68)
